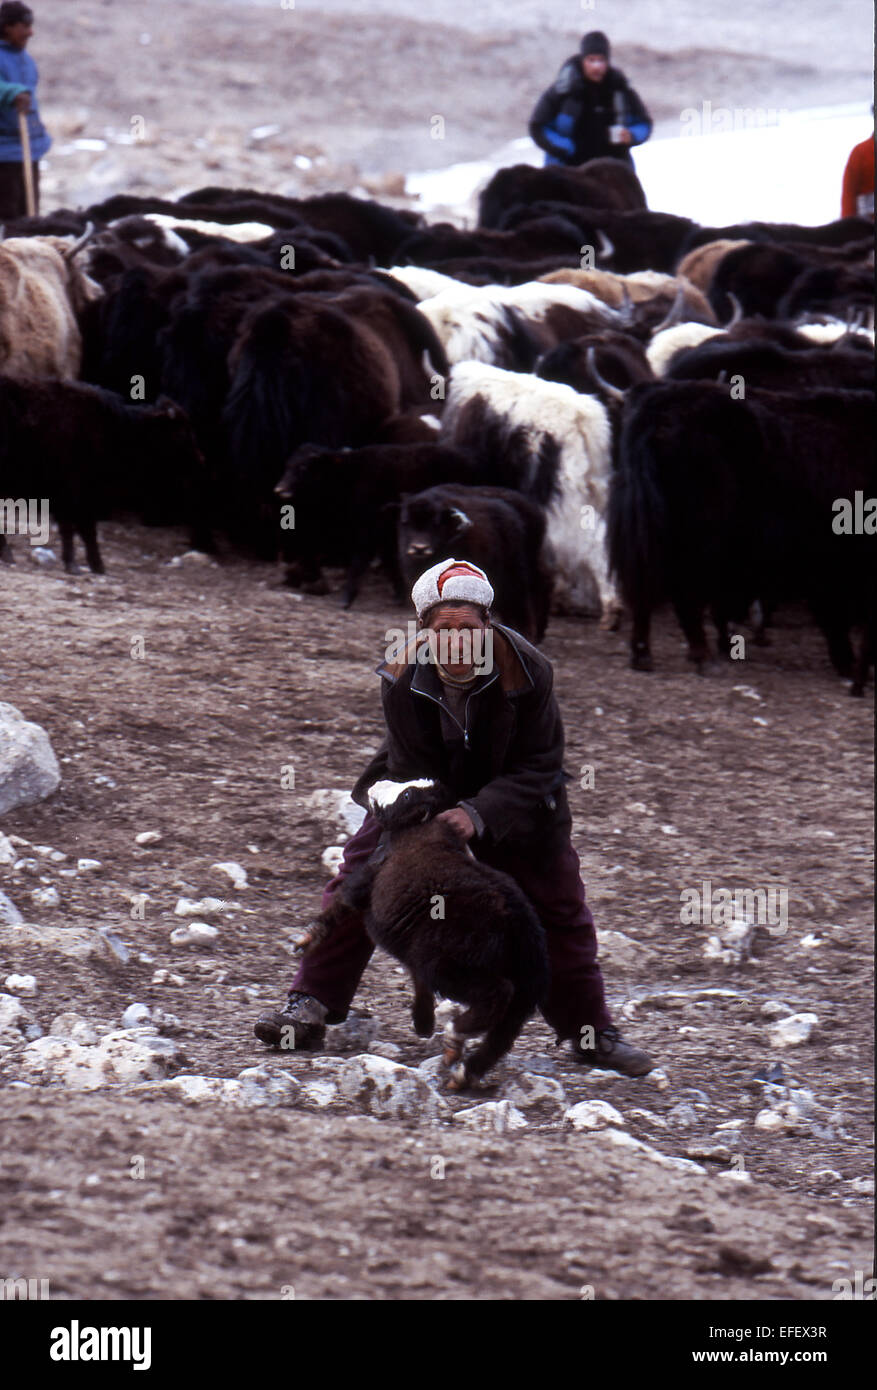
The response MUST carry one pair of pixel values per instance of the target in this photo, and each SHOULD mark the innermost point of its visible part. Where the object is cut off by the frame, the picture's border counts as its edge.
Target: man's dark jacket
(571, 120)
(505, 766)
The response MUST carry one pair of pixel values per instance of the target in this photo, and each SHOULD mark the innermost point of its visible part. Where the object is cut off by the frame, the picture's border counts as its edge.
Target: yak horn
(612, 391)
(78, 245)
(737, 311)
(675, 314)
(606, 249)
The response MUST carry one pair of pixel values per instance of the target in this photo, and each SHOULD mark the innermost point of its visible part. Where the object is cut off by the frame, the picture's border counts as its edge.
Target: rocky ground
(309, 96)
(177, 696)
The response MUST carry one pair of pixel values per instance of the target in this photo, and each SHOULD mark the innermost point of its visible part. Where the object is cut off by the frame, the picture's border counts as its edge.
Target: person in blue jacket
(18, 92)
(590, 110)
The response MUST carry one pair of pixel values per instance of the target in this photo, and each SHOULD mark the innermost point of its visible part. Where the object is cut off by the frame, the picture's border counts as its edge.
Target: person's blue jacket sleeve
(9, 91)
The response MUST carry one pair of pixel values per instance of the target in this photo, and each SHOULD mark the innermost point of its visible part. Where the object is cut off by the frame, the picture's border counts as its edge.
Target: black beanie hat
(12, 12)
(595, 42)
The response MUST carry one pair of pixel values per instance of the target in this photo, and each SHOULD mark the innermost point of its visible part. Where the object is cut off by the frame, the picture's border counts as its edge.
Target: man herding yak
(490, 731)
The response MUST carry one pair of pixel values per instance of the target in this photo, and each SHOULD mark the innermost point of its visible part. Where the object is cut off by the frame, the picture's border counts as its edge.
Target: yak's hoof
(452, 1054)
(458, 1079)
(642, 661)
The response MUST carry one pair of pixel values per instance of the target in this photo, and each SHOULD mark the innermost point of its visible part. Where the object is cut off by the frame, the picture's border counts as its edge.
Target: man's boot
(299, 1026)
(611, 1053)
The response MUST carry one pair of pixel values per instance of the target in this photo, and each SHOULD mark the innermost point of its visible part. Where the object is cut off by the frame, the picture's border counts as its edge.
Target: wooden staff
(27, 164)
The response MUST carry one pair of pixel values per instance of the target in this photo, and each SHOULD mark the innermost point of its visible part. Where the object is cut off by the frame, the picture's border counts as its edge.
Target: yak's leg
(721, 621)
(88, 532)
(423, 1009)
(355, 570)
(6, 555)
(863, 661)
(499, 1039)
(690, 614)
(640, 652)
(486, 1012)
(68, 532)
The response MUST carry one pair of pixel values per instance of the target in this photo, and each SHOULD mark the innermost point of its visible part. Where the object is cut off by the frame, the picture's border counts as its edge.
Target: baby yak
(463, 929)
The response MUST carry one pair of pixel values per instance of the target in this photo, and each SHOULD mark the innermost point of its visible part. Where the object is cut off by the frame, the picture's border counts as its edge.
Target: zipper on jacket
(464, 729)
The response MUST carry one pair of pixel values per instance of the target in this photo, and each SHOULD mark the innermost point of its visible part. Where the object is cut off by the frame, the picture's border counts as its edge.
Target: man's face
(594, 67)
(460, 632)
(17, 35)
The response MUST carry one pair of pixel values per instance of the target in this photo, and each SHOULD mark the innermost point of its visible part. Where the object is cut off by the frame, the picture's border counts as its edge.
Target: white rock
(772, 1008)
(336, 806)
(684, 1115)
(76, 942)
(864, 1184)
(27, 866)
(658, 1077)
(530, 1089)
(88, 865)
(29, 770)
(166, 977)
(194, 934)
(23, 985)
(317, 1095)
(792, 1031)
(734, 1175)
(647, 1115)
(593, 1114)
(9, 913)
(500, 1116)
(331, 858)
(118, 1059)
(621, 1139)
(433, 1069)
(43, 555)
(134, 1015)
(233, 871)
(14, 1018)
(356, 1032)
(8, 853)
(384, 1049)
(768, 1119)
(731, 944)
(186, 907)
(387, 1088)
(45, 897)
(148, 837)
(72, 1025)
(617, 949)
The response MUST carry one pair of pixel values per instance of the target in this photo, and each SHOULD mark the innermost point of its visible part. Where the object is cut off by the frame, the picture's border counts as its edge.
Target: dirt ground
(758, 773)
(309, 96)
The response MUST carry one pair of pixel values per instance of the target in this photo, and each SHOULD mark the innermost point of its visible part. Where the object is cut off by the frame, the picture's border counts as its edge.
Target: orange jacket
(859, 180)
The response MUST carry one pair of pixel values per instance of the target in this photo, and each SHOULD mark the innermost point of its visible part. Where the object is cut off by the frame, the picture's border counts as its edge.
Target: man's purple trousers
(332, 971)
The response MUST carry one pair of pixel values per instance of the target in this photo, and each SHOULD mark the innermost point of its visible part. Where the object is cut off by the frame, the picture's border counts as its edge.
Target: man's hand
(624, 136)
(458, 820)
(22, 102)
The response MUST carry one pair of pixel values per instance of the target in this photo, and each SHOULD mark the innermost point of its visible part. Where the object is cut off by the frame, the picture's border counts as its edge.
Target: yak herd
(608, 408)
